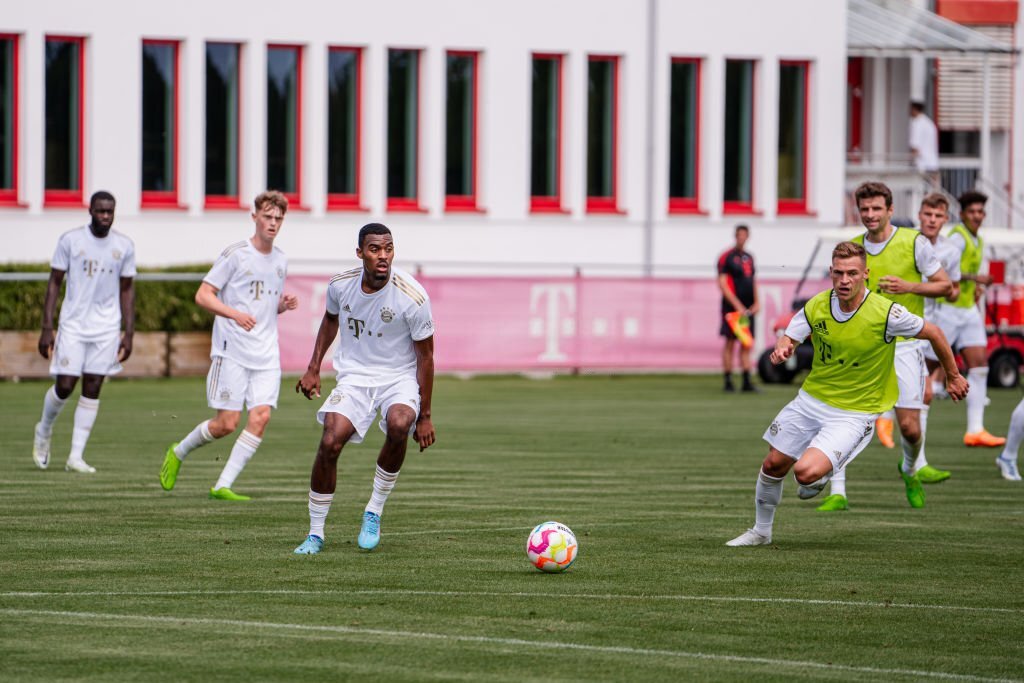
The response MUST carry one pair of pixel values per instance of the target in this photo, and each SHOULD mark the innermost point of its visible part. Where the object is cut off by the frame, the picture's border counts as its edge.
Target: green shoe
(930, 475)
(915, 492)
(225, 493)
(169, 470)
(836, 501)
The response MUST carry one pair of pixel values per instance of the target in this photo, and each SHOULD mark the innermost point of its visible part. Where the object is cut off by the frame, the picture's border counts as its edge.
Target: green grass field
(107, 577)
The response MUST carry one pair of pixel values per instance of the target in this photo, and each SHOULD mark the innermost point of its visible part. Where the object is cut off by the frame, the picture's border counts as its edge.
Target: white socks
(200, 436)
(383, 482)
(1016, 435)
(921, 459)
(977, 398)
(244, 448)
(52, 405)
(838, 487)
(910, 452)
(319, 505)
(767, 495)
(85, 417)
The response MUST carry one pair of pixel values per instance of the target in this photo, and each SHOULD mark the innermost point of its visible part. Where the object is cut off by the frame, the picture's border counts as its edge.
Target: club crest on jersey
(386, 314)
(775, 429)
(335, 398)
(116, 254)
(821, 328)
(280, 272)
(225, 395)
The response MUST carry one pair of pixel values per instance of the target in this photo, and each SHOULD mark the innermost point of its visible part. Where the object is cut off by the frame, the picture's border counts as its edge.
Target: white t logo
(552, 319)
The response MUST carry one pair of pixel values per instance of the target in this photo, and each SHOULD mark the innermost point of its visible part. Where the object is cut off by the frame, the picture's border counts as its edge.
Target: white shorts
(806, 422)
(230, 386)
(74, 357)
(911, 374)
(360, 404)
(963, 327)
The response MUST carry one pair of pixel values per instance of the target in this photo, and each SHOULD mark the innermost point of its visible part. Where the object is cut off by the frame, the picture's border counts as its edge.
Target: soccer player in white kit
(245, 291)
(100, 266)
(385, 361)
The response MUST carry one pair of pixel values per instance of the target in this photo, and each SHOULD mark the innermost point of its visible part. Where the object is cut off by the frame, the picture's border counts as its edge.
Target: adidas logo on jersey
(346, 308)
(821, 328)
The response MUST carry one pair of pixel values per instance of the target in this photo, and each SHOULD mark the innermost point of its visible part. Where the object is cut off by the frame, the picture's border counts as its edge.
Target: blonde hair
(272, 197)
(935, 200)
(850, 250)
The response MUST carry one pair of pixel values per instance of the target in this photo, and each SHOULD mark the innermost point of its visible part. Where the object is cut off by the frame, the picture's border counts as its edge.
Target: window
(343, 127)
(159, 123)
(684, 135)
(64, 120)
(222, 125)
(284, 114)
(403, 130)
(461, 132)
(8, 119)
(546, 134)
(793, 86)
(739, 136)
(602, 123)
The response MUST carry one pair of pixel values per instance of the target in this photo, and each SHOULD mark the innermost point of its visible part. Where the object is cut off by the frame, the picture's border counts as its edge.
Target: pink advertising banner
(509, 324)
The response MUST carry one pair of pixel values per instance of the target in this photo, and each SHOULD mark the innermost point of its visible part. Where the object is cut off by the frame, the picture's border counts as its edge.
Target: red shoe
(984, 439)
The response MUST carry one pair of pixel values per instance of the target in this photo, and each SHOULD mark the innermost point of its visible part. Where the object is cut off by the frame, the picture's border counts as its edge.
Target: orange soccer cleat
(740, 326)
(883, 428)
(984, 439)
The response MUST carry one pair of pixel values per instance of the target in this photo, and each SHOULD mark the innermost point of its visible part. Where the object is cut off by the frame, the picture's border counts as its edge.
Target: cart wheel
(1004, 370)
(773, 374)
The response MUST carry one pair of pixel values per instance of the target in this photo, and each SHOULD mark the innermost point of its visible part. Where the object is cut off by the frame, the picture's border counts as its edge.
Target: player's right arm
(206, 297)
(49, 311)
(728, 294)
(309, 384)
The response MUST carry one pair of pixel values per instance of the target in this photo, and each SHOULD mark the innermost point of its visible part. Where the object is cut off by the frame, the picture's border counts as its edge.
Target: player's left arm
(956, 385)
(424, 432)
(128, 316)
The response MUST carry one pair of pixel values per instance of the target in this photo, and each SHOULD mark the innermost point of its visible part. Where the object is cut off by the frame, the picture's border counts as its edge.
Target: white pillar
(986, 118)
(879, 110)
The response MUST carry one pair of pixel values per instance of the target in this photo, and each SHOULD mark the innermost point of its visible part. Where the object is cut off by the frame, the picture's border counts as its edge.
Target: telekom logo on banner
(534, 323)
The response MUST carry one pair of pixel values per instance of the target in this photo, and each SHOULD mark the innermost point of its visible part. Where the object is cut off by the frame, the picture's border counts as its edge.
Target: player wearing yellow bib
(903, 268)
(962, 322)
(852, 380)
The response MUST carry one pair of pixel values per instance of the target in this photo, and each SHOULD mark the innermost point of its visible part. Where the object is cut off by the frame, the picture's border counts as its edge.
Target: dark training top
(738, 267)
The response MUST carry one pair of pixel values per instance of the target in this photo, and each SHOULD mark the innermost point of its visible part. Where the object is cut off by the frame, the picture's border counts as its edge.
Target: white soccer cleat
(807, 491)
(749, 537)
(1008, 468)
(80, 466)
(41, 449)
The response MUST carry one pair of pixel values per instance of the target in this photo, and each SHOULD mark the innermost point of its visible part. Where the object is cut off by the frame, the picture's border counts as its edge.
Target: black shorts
(726, 331)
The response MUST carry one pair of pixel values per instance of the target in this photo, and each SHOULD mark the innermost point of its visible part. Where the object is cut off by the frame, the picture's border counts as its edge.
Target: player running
(99, 263)
(852, 380)
(385, 361)
(245, 291)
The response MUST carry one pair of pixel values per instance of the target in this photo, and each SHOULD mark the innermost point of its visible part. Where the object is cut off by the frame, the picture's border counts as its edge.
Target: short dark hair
(972, 197)
(873, 189)
(101, 194)
(372, 229)
(917, 105)
(742, 226)
(850, 250)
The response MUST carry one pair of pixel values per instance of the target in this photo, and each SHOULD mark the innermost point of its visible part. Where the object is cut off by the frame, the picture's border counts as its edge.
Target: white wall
(506, 33)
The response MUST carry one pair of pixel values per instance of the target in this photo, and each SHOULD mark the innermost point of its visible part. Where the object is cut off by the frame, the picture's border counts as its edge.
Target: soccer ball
(551, 547)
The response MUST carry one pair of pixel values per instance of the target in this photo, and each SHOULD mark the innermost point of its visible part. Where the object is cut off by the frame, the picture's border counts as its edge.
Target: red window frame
(409, 204)
(553, 204)
(152, 199)
(9, 195)
(72, 198)
(339, 201)
(609, 204)
(798, 205)
(294, 198)
(468, 203)
(227, 201)
(748, 208)
(691, 204)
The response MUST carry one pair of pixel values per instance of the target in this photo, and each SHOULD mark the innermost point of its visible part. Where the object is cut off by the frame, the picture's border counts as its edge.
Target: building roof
(896, 28)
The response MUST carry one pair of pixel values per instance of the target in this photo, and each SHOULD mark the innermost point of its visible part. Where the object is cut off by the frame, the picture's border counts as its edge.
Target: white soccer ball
(551, 547)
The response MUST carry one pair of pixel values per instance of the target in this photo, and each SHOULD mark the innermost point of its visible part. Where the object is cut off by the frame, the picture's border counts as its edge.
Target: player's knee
(331, 444)
(810, 472)
(776, 465)
(911, 430)
(223, 425)
(259, 418)
(399, 423)
(64, 387)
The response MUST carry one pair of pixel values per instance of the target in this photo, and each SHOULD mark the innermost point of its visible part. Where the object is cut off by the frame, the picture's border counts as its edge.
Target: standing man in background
(739, 294)
(100, 266)
(924, 143)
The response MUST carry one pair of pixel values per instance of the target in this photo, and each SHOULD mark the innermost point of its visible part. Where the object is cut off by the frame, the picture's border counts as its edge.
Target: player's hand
(244, 320)
(424, 433)
(983, 279)
(46, 343)
(309, 384)
(125, 350)
(783, 350)
(957, 387)
(754, 309)
(890, 284)
(289, 302)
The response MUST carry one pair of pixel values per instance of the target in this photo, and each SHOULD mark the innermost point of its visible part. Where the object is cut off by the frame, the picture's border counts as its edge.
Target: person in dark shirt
(739, 293)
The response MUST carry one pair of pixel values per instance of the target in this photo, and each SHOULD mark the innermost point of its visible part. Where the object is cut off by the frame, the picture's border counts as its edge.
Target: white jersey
(94, 267)
(949, 257)
(377, 331)
(253, 283)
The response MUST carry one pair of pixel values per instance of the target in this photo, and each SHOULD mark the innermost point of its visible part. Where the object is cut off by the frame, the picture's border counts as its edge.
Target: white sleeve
(221, 272)
(62, 254)
(798, 328)
(421, 322)
(128, 264)
(927, 262)
(954, 270)
(957, 240)
(332, 300)
(902, 323)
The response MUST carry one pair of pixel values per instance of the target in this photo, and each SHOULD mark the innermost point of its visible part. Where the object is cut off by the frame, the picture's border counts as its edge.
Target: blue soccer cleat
(369, 535)
(311, 546)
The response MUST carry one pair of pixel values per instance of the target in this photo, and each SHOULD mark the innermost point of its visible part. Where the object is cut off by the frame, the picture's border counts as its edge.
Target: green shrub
(159, 306)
